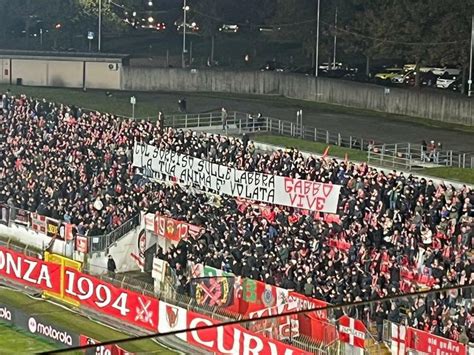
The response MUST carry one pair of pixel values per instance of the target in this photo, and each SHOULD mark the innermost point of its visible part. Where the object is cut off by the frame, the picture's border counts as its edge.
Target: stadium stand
(393, 232)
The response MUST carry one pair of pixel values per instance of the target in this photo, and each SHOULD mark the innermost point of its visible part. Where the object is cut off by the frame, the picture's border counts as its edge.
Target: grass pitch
(15, 341)
(10, 338)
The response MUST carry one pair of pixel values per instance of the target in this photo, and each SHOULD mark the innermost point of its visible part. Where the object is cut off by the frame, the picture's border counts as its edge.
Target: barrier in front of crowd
(240, 122)
(406, 156)
(58, 235)
(132, 308)
(403, 339)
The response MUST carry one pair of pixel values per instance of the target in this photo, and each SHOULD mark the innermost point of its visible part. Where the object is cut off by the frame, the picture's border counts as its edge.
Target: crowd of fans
(393, 232)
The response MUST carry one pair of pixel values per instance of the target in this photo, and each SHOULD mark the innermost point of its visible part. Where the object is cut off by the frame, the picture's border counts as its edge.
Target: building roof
(70, 56)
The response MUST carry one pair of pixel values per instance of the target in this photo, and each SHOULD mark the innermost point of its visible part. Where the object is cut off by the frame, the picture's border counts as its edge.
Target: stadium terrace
(392, 233)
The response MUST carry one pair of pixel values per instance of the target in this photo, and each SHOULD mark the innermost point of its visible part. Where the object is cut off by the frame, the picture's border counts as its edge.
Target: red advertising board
(233, 339)
(419, 340)
(101, 349)
(30, 271)
(132, 307)
(314, 324)
(305, 302)
(283, 327)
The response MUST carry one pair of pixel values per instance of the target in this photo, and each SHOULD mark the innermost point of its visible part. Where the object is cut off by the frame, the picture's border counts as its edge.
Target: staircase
(374, 348)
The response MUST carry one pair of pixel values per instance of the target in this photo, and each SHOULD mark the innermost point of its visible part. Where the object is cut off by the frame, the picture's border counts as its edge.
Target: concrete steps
(374, 348)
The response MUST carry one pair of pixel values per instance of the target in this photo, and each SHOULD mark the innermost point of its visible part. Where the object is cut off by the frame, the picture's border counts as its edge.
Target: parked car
(388, 74)
(402, 77)
(273, 66)
(426, 79)
(335, 73)
(330, 66)
(456, 85)
(268, 29)
(445, 80)
(229, 28)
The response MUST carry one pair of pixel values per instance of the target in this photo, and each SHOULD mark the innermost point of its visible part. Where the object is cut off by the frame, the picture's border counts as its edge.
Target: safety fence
(408, 156)
(143, 302)
(115, 301)
(100, 243)
(167, 292)
(239, 122)
(60, 230)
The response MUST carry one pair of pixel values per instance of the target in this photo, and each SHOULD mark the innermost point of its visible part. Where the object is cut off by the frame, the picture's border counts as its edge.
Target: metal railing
(99, 243)
(414, 156)
(239, 122)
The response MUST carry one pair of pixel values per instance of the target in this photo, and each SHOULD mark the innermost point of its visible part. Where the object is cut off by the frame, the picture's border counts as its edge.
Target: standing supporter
(392, 233)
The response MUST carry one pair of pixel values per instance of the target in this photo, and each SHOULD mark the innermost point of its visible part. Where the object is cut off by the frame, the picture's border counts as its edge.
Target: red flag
(325, 154)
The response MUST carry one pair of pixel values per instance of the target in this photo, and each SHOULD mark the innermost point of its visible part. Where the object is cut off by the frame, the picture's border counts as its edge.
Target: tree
(207, 14)
(453, 32)
(370, 32)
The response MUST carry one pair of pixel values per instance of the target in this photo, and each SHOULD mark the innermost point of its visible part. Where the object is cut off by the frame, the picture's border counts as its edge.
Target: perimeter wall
(439, 106)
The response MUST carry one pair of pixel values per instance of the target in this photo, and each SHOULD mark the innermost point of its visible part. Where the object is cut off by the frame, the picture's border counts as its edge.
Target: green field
(15, 341)
(64, 319)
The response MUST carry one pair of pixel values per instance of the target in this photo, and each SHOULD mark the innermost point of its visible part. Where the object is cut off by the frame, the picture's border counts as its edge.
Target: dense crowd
(393, 233)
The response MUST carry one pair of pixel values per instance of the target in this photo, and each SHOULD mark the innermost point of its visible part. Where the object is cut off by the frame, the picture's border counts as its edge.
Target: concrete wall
(120, 252)
(36, 240)
(5, 71)
(32, 72)
(433, 105)
(100, 76)
(62, 73)
(65, 74)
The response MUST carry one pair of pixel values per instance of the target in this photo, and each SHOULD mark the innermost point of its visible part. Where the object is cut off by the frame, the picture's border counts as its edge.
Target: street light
(185, 10)
(99, 35)
(316, 60)
(469, 82)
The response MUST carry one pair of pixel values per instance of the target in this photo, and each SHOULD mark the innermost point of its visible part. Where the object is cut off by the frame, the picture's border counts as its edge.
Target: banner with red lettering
(283, 327)
(170, 228)
(419, 340)
(166, 165)
(101, 349)
(233, 339)
(313, 324)
(29, 271)
(304, 302)
(132, 307)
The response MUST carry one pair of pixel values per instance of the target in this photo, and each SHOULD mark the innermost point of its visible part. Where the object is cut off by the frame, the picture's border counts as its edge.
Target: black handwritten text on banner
(166, 165)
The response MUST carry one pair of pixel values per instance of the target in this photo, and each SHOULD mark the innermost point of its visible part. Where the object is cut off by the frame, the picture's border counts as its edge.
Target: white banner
(167, 165)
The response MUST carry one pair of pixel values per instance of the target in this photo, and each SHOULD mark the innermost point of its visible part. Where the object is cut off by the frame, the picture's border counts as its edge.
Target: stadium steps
(374, 348)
